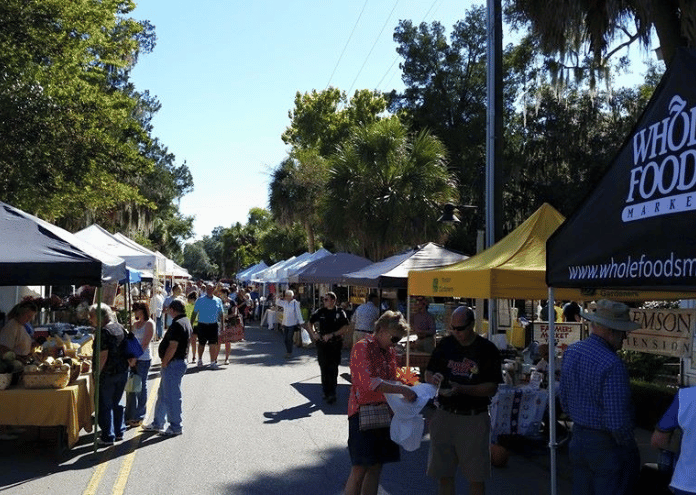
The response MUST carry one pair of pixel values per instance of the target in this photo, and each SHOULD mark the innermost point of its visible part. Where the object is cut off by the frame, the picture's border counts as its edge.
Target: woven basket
(57, 379)
(5, 379)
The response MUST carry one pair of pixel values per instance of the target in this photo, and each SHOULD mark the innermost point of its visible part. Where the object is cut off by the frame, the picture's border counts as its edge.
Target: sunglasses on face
(395, 339)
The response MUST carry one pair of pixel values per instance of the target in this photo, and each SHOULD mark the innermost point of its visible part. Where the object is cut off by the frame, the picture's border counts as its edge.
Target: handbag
(134, 384)
(373, 416)
(133, 347)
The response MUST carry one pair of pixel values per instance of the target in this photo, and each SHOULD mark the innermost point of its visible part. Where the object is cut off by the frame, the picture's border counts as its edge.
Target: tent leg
(96, 366)
(553, 446)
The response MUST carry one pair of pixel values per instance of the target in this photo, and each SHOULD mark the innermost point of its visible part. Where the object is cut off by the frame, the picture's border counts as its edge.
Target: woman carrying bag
(136, 400)
(373, 361)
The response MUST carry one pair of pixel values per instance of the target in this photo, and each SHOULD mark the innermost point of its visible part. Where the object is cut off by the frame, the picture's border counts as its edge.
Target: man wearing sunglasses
(466, 368)
(333, 323)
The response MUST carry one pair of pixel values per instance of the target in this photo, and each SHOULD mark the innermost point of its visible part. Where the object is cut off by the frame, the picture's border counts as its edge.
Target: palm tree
(386, 189)
(563, 26)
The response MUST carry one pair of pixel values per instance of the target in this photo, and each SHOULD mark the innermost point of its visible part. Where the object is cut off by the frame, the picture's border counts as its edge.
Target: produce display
(54, 364)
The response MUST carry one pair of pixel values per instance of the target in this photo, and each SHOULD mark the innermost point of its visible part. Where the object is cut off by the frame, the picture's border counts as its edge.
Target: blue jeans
(600, 465)
(288, 333)
(136, 403)
(159, 326)
(168, 405)
(110, 418)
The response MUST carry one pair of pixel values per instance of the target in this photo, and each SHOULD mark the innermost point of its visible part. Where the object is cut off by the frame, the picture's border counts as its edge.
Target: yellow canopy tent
(513, 268)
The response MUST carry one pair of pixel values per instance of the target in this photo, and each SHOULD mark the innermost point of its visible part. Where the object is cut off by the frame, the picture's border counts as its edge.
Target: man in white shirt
(364, 318)
(292, 319)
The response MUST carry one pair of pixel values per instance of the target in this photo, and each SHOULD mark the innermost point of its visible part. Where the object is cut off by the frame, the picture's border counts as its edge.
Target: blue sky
(226, 73)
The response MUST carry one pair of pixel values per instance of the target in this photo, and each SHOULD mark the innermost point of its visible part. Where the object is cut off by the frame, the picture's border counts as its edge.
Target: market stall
(37, 253)
(636, 227)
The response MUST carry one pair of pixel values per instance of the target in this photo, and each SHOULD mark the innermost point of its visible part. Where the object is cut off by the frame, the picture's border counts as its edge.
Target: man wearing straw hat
(595, 393)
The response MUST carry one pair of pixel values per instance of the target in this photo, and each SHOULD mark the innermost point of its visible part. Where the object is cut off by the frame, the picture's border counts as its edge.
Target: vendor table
(71, 407)
(518, 410)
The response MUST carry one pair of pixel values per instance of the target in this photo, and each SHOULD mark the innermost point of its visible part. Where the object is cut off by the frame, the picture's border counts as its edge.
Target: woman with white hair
(113, 374)
(292, 319)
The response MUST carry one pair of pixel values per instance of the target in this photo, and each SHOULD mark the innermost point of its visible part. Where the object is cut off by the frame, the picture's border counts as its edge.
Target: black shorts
(207, 333)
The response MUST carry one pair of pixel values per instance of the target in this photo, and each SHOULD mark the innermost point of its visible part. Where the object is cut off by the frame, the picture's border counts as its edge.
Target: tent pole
(408, 329)
(552, 390)
(96, 365)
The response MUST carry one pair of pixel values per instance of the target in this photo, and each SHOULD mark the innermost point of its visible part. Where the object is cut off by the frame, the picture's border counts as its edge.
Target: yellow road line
(127, 465)
(124, 472)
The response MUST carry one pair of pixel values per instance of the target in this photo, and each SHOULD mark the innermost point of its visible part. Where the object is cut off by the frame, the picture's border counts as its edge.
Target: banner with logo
(638, 227)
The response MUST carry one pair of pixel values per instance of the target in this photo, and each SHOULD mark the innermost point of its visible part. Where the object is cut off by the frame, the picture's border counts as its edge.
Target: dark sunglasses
(395, 339)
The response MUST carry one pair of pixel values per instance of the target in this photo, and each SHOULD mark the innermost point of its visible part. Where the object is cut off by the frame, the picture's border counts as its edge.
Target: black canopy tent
(33, 255)
(635, 231)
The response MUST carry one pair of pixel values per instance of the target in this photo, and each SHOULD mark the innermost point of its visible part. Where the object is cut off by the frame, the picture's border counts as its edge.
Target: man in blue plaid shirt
(595, 393)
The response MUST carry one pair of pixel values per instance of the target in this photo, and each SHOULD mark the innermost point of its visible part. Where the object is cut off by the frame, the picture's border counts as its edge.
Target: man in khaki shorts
(466, 368)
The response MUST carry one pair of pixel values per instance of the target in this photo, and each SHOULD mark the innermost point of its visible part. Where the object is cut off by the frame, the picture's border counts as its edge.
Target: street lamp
(448, 215)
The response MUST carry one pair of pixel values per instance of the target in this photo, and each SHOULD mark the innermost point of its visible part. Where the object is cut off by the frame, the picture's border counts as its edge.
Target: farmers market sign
(666, 332)
(565, 333)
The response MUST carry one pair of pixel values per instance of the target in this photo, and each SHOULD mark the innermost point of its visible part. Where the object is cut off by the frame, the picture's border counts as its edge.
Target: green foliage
(197, 262)
(73, 131)
(386, 188)
(647, 367)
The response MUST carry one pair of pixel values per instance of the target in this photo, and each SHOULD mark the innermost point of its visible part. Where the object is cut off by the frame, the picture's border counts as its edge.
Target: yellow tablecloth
(71, 407)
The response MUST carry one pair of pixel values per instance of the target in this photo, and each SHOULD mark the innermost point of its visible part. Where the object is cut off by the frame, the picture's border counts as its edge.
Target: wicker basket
(58, 379)
(5, 379)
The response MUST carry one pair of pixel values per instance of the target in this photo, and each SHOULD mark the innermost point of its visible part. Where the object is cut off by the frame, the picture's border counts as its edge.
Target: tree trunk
(666, 20)
(310, 236)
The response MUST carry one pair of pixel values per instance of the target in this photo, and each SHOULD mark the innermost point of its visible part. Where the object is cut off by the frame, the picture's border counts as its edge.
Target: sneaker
(152, 427)
(331, 399)
(170, 433)
(119, 438)
(227, 361)
(200, 363)
(105, 443)
(214, 366)
(288, 355)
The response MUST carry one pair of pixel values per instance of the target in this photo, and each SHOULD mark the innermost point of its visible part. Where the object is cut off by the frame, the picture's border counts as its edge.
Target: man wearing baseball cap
(595, 393)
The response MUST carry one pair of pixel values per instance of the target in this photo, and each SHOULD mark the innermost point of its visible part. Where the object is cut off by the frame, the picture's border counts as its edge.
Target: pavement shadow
(315, 403)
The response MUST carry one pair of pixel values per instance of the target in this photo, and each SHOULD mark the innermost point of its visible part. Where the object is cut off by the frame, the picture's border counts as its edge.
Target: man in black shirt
(173, 351)
(466, 369)
(332, 325)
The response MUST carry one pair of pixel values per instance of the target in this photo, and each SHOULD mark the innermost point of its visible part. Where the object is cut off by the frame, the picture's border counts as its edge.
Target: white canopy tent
(136, 259)
(160, 259)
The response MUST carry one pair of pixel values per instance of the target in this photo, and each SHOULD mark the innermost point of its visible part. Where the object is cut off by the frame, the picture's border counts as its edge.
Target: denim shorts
(370, 447)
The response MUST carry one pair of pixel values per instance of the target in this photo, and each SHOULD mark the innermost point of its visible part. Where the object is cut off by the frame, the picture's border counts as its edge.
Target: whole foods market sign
(666, 332)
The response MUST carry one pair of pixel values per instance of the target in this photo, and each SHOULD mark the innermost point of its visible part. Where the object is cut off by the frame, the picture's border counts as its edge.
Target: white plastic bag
(306, 339)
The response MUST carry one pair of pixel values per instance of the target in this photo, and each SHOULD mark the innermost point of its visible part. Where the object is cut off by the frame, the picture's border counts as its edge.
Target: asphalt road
(257, 426)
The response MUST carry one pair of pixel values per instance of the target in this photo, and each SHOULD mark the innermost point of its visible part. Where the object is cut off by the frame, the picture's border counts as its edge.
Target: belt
(364, 331)
(465, 411)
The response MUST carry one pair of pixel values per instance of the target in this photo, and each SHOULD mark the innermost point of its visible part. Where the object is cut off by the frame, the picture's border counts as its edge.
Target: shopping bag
(134, 384)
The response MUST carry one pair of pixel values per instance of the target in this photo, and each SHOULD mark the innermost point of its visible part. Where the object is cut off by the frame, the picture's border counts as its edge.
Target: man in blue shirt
(210, 314)
(595, 393)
